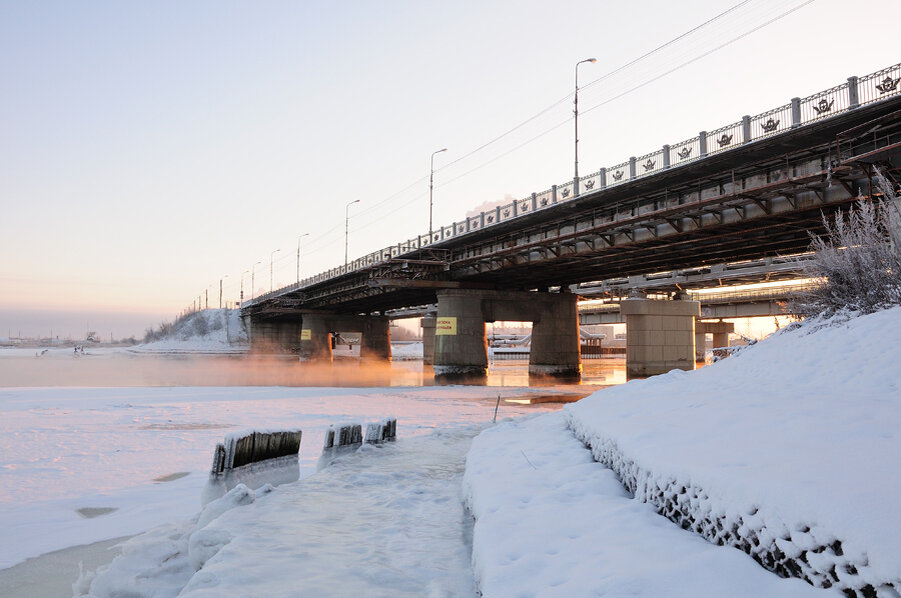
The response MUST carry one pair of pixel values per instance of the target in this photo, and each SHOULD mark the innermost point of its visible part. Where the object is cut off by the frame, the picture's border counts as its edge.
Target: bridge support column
(556, 346)
(375, 344)
(428, 339)
(719, 330)
(700, 343)
(274, 335)
(461, 347)
(660, 335)
(315, 339)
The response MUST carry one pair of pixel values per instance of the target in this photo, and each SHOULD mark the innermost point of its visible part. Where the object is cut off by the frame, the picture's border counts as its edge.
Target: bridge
(749, 190)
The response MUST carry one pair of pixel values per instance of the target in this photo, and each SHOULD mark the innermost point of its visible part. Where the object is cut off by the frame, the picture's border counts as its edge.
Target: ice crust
(384, 521)
(160, 562)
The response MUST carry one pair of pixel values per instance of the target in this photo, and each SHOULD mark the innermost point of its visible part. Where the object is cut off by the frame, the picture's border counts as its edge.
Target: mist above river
(117, 367)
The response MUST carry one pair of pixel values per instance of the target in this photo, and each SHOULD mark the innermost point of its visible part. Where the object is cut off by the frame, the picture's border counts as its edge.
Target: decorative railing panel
(880, 85)
(565, 191)
(825, 104)
(590, 183)
(649, 163)
(545, 198)
(685, 151)
(771, 122)
(725, 138)
(524, 206)
(618, 174)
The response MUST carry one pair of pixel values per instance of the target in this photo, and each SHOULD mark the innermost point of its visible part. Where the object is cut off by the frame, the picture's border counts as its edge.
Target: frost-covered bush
(857, 263)
(153, 334)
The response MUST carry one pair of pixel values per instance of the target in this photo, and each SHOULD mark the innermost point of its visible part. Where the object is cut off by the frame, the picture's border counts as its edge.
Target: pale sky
(148, 150)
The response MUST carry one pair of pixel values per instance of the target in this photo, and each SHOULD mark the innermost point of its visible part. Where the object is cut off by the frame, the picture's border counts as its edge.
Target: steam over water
(108, 367)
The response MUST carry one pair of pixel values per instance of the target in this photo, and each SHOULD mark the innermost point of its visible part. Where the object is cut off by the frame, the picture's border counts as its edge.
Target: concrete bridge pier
(556, 345)
(276, 335)
(315, 339)
(720, 332)
(428, 338)
(318, 328)
(461, 347)
(375, 342)
(660, 335)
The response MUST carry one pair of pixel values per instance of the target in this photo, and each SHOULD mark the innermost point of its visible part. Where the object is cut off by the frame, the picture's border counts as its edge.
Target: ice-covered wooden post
(381, 431)
(252, 447)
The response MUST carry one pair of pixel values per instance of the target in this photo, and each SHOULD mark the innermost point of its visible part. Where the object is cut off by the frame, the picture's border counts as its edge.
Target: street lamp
(298, 254)
(242, 285)
(270, 268)
(346, 226)
(220, 290)
(431, 186)
(252, 279)
(576, 122)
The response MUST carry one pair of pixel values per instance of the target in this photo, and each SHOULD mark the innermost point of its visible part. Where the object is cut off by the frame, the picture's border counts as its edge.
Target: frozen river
(110, 444)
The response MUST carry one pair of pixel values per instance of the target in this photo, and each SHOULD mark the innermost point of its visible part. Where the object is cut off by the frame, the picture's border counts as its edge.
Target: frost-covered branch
(858, 259)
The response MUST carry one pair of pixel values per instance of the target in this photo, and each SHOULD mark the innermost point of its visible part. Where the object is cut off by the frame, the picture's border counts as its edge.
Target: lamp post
(431, 186)
(271, 255)
(220, 290)
(242, 285)
(298, 255)
(576, 122)
(227, 339)
(347, 225)
(252, 279)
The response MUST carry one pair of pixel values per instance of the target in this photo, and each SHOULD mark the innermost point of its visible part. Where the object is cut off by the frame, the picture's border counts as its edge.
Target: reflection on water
(119, 368)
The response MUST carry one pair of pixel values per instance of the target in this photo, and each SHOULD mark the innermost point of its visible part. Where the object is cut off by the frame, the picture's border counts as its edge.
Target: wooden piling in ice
(343, 436)
(381, 431)
(253, 447)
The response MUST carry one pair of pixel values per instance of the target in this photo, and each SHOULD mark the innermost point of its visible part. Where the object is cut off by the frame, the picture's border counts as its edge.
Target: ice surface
(71, 448)
(385, 521)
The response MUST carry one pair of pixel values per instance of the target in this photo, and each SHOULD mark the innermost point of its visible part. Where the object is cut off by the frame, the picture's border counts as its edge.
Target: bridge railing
(879, 85)
(825, 104)
(725, 138)
(771, 122)
(875, 87)
(685, 151)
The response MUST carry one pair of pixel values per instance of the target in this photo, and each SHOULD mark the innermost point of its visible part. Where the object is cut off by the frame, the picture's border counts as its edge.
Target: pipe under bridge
(751, 190)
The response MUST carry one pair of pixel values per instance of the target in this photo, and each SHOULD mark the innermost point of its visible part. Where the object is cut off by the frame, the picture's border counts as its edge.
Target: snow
(787, 449)
(65, 449)
(550, 521)
(385, 521)
(215, 331)
(406, 350)
(790, 444)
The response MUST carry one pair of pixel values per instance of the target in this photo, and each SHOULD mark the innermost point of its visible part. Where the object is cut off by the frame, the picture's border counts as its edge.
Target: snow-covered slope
(205, 331)
(788, 450)
(551, 522)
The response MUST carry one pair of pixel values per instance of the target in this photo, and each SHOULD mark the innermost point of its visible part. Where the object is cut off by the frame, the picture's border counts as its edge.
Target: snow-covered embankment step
(550, 521)
(788, 451)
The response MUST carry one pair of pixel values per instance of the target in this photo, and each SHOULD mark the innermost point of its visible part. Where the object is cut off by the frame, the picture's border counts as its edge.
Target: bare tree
(857, 262)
